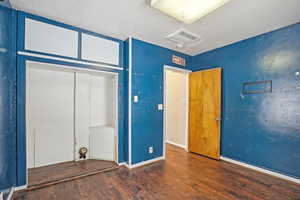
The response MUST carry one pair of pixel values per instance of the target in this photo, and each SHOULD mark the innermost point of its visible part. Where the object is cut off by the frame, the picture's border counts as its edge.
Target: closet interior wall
(68, 109)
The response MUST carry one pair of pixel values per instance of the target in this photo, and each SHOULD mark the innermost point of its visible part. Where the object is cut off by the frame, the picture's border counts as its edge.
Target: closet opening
(71, 122)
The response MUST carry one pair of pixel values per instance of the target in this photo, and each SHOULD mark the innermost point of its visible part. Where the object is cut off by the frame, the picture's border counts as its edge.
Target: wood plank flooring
(182, 176)
(67, 170)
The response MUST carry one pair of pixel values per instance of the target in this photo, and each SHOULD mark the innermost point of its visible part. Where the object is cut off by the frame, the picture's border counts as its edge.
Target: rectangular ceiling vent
(183, 37)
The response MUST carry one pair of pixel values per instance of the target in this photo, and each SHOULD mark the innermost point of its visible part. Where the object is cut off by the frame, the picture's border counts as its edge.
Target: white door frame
(184, 71)
(77, 69)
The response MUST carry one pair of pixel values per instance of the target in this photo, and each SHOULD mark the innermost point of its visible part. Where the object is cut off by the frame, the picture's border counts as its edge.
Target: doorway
(192, 114)
(68, 109)
(176, 92)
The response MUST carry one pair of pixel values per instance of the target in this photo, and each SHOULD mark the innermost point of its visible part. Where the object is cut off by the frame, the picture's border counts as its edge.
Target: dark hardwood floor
(48, 175)
(182, 176)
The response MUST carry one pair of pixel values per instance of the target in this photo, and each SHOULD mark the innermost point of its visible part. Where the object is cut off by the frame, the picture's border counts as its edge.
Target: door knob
(218, 119)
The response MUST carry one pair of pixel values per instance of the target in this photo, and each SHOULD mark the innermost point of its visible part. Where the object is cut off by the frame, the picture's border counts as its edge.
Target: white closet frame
(186, 72)
(77, 69)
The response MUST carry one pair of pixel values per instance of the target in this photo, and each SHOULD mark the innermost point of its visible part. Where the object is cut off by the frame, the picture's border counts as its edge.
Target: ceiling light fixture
(187, 11)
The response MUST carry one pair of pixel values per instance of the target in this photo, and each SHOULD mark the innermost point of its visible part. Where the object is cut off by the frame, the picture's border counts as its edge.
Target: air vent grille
(183, 37)
(187, 35)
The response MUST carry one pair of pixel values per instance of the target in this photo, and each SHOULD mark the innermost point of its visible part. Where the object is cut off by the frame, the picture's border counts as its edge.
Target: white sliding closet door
(50, 115)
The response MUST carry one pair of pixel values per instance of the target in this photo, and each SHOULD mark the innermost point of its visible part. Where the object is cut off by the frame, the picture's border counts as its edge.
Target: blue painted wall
(148, 61)
(7, 98)
(260, 129)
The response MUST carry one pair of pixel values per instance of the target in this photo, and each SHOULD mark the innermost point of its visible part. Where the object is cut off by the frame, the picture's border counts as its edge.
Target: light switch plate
(150, 150)
(160, 106)
(135, 99)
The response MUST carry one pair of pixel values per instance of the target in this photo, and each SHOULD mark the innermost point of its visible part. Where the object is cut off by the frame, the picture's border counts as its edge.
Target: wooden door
(205, 112)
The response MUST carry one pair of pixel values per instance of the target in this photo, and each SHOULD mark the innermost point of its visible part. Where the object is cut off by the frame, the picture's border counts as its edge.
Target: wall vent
(183, 37)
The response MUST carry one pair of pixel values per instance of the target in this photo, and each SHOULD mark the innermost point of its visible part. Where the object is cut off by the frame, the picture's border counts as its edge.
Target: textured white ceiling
(237, 20)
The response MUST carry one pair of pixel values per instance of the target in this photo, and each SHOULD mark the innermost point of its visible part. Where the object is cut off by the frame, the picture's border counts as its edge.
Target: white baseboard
(261, 170)
(22, 187)
(145, 162)
(10, 194)
(178, 145)
(11, 191)
(123, 164)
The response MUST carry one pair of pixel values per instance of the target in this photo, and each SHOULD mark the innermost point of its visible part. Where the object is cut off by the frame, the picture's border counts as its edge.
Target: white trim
(140, 164)
(124, 164)
(22, 187)
(73, 69)
(176, 69)
(164, 115)
(261, 170)
(187, 112)
(175, 144)
(18, 188)
(23, 53)
(116, 85)
(11, 192)
(129, 101)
